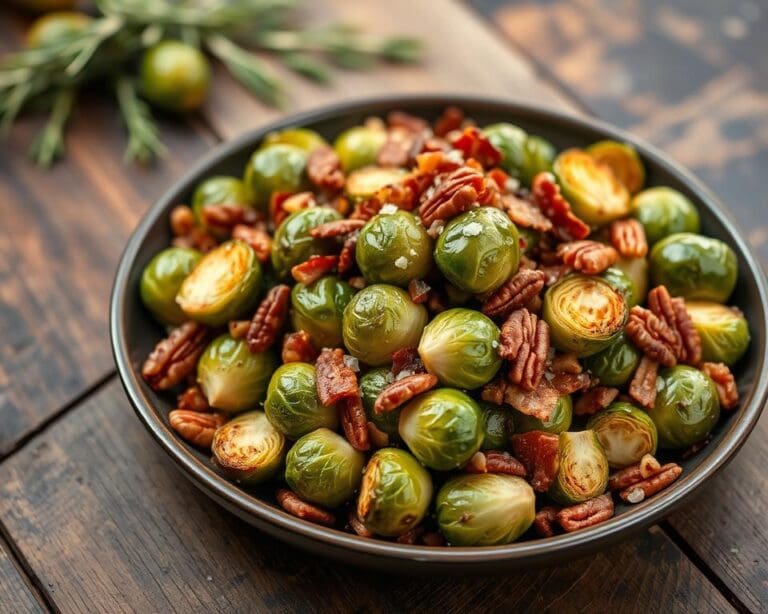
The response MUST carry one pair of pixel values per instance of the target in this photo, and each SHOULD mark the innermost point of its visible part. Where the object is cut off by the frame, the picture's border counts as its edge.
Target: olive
(663, 211)
(174, 76)
(275, 168)
(248, 448)
(318, 309)
(293, 244)
(161, 280)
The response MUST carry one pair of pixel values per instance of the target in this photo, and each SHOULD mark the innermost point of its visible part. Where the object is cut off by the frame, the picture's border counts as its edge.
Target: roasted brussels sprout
(394, 248)
(443, 428)
(538, 156)
(378, 321)
(585, 314)
(559, 421)
(723, 330)
(694, 267)
(223, 286)
(615, 365)
(478, 250)
(248, 448)
(484, 509)
(394, 494)
(174, 75)
(220, 190)
(582, 468)
(686, 409)
(626, 433)
(232, 377)
(623, 283)
(623, 161)
(303, 138)
(664, 211)
(276, 168)
(371, 385)
(636, 269)
(359, 146)
(366, 181)
(318, 309)
(161, 280)
(292, 403)
(293, 245)
(594, 192)
(528, 239)
(498, 426)
(459, 347)
(510, 141)
(323, 468)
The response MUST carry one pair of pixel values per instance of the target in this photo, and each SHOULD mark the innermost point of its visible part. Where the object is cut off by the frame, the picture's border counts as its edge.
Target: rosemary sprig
(49, 143)
(143, 141)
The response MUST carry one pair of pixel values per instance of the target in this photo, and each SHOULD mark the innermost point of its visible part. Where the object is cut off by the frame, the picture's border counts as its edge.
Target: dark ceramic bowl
(134, 334)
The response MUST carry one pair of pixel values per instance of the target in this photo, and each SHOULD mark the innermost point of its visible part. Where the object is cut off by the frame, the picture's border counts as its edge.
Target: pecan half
(418, 291)
(642, 388)
(628, 237)
(314, 268)
(257, 238)
(224, 217)
(347, 259)
(182, 221)
(586, 514)
(354, 422)
(495, 461)
(356, 525)
(546, 194)
(633, 474)
(725, 383)
(297, 347)
(592, 401)
(514, 293)
(524, 213)
(672, 311)
(525, 344)
(195, 427)
(544, 522)
(454, 193)
(268, 319)
(402, 391)
(474, 144)
(175, 357)
(650, 486)
(450, 120)
(539, 454)
(335, 380)
(406, 361)
(401, 119)
(193, 399)
(324, 169)
(336, 228)
(295, 506)
(588, 257)
(652, 335)
(399, 147)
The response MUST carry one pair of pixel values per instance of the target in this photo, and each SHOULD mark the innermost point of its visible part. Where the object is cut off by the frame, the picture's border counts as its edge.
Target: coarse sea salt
(473, 229)
(401, 262)
(389, 209)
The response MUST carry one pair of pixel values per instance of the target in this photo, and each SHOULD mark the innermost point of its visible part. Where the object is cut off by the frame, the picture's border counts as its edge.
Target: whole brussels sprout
(626, 433)
(559, 421)
(323, 468)
(724, 331)
(442, 428)
(276, 168)
(686, 409)
(498, 427)
(595, 194)
(219, 190)
(478, 250)
(585, 314)
(623, 283)
(378, 321)
(582, 469)
(394, 494)
(224, 285)
(664, 211)
(486, 509)
(694, 267)
(623, 161)
(394, 248)
(636, 269)
(293, 244)
(510, 141)
(366, 181)
(538, 157)
(248, 448)
(318, 309)
(292, 403)
(303, 138)
(161, 280)
(371, 385)
(615, 365)
(359, 146)
(232, 377)
(459, 347)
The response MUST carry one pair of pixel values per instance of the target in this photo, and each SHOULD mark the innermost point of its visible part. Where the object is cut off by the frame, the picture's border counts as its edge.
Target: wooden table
(94, 517)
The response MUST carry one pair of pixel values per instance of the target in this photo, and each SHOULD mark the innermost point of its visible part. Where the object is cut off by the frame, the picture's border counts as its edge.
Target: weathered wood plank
(129, 533)
(15, 594)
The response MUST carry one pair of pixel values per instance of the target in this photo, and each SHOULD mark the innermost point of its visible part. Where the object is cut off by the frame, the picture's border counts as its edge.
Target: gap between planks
(26, 573)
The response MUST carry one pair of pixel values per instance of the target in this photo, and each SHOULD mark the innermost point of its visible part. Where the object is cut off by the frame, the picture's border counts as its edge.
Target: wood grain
(108, 524)
(15, 594)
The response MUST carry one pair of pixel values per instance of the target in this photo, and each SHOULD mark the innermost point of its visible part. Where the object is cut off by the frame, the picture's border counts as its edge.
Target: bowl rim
(231, 495)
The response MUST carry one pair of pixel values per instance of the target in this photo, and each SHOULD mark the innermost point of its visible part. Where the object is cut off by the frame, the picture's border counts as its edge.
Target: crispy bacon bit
(524, 213)
(403, 390)
(354, 423)
(450, 120)
(268, 319)
(335, 380)
(494, 461)
(474, 144)
(419, 291)
(377, 437)
(628, 237)
(672, 311)
(407, 361)
(499, 177)
(546, 194)
(336, 228)
(566, 363)
(297, 347)
(586, 514)
(539, 403)
(588, 257)
(401, 119)
(356, 525)
(195, 427)
(493, 391)
(175, 357)
(652, 335)
(594, 400)
(405, 194)
(347, 258)
(626, 477)
(295, 506)
(568, 383)
(223, 218)
(198, 239)
(514, 293)
(525, 344)
(544, 522)
(257, 238)
(642, 388)
(314, 268)
(193, 399)
(650, 486)
(182, 221)
(539, 454)
(725, 383)
(366, 209)
(433, 162)
(324, 169)
(454, 193)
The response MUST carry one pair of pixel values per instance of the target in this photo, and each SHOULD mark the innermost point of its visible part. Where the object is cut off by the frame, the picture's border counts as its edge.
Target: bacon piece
(297, 347)
(335, 380)
(474, 144)
(594, 400)
(539, 454)
(450, 120)
(324, 169)
(407, 361)
(314, 268)
(524, 213)
(546, 194)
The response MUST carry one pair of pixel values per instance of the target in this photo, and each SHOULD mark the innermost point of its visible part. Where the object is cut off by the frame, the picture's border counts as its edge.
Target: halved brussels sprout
(394, 494)
(559, 421)
(595, 194)
(694, 267)
(394, 248)
(161, 280)
(366, 181)
(292, 403)
(623, 161)
(323, 468)
(636, 269)
(276, 168)
(293, 244)
(623, 283)
(498, 426)
(723, 330)
(486, 509)
(378, 321)
(248, 448)
(442, 428)
(664, 211)
(318, 309)
(371, 385)
(478, 250)
(582, 468)
(359, 146)
(232, 377)
(460, 347)
(626, 433)
(220, 190)
(303, 138)
(615, 365)
(687, 407)
(224, 285)
(585, 314)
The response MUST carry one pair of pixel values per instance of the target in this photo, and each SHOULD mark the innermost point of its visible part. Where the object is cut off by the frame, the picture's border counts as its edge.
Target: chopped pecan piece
(642, 388)
(356, 525)
(524, 213)
(336, 228)
(314, 268)
(434, 162)
(324, 169)
(650, 486)
(268, 319)
(539, 454)
(525, 344)
(193, 399)
(495, 461)
(403, 390)
(175, 357)
(586, 514)
(297, 347)
(454, 193)
(399, 147)
(544, 522)
(257, 238)
(406, 361)
(354, 422)
(633, 474)
(725, 383)
(566, 363)
(347, 258)
(687, 343)
(588, 257)
(628, 237)
(182, 221)
(450, 120)
(335, 380)
(195, 427)
(653, 336)
(295, 506)
(401, 119)
(474, 144)
(546, 194)
(514, 293)
(419, 291)
(223, 218)
(592, 401)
